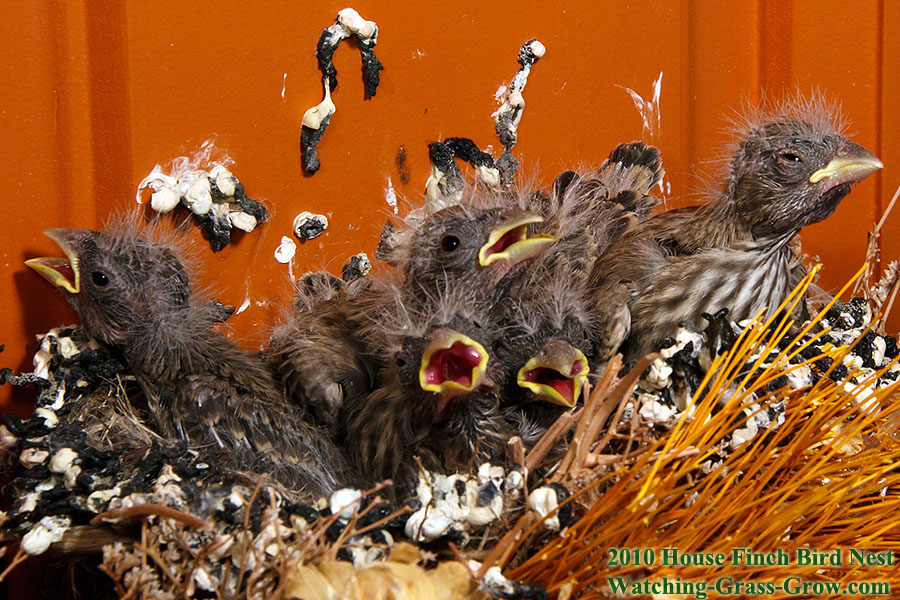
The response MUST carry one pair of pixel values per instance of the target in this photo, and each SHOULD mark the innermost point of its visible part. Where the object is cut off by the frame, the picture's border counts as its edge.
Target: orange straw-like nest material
(825, 479)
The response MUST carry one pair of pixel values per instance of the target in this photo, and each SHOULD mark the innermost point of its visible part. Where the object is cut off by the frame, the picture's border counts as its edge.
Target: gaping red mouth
(557, 374)
(564, 385)
(455, 364)
(61, 272)
(510, 241)
(452, 364)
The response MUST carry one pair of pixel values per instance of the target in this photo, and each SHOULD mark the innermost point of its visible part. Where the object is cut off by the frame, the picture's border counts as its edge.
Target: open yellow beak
(556, 374)
(61, 272)
(510, 241)
(856, 165)
(452, 364)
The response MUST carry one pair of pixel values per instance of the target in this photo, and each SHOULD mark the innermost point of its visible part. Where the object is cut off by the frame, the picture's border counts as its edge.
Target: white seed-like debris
(426, 525)
(658, 376)
(683, 337)
(878, 349)
(745, 433)
(48, 531)
(390, 195)
(852, 361)
(438, 193)
(456, 503)
(198, 196)
(543, 500)
(314, 116)
(70, 477)
(800, 377)
(50, 418)
(487, 176)
(32, 457)
(514, 481)
(654, 411)
(62, 460)
(496, 584)
(225, 181)
(165, 200)
(192, 186)
(345, 502)
(242, 221)
(285, 250)
(202, 580)
(99, 499)
(308, 226)
(514, 103)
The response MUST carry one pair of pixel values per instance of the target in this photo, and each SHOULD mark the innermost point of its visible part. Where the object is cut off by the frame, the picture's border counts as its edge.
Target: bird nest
(737, 460)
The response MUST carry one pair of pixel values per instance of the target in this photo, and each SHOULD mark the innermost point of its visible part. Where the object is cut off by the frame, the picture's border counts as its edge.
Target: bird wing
(216, 414)
(320, 353)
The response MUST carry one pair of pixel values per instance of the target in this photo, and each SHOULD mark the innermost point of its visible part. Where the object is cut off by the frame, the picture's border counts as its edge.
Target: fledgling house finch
(318, 352)
(135, 295)
(436, 396)
(550, 343)
(324, 353)
(790, 169)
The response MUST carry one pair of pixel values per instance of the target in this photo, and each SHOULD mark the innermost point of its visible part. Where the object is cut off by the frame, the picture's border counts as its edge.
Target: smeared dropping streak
(348, 23)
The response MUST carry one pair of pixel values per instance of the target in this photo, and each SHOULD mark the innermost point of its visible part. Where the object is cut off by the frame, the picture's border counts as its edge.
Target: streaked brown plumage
(326, 354)
(408, 414)
(319, 352)
(791, 168)
(548, 314)
(135, 295)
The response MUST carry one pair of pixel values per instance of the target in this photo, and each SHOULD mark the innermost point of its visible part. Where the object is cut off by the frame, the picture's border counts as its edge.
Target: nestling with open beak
(479, 242)
(437, 395)
(547, 316)
(791, 168)
(135, 295)
(325, 353)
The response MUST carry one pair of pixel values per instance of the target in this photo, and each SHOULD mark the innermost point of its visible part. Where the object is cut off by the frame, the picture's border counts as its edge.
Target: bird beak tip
(61, 272)
(510, 241)
(858, 164)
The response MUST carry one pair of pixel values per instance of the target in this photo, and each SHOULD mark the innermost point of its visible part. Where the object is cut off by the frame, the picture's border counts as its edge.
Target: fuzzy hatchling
(549, 341)
(135, 295)
(326, 354)
(791, 169)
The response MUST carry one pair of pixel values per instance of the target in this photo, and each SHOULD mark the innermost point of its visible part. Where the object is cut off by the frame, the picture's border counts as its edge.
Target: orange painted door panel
(95, 94)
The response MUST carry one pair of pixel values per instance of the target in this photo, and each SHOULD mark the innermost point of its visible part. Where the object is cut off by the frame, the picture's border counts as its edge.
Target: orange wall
(93, 96)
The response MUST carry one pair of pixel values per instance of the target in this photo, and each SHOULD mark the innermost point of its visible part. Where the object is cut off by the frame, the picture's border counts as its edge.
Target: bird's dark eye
(449, 243)
(788, 156)
(99, 278)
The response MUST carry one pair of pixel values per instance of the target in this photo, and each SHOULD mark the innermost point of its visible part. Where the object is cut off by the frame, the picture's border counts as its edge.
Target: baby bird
(550, 344)
(436, 396)
(135, 295)
(319, 352)
(326, 354)
(791, 169)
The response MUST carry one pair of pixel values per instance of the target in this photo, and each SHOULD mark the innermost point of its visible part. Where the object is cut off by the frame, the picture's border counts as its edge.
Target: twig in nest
(547, 441)
(152, 509)
(872, 249)
(160, 563)
(18, 559)
(594, 459)
(504, 548)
